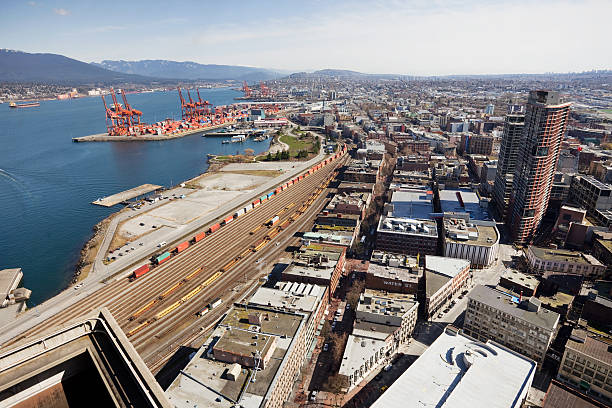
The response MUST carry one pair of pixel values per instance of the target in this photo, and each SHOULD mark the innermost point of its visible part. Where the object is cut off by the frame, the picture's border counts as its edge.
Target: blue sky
(419, 37)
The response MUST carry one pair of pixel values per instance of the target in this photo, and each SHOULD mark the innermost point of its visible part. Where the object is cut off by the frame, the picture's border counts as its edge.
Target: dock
(105, 137)
(126, 195)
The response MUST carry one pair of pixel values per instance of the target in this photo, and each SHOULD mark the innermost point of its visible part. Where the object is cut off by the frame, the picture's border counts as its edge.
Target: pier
(126, 195)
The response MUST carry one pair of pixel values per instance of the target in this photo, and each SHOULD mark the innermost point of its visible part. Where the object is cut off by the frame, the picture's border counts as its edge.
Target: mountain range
(17, 66)
(189, 70)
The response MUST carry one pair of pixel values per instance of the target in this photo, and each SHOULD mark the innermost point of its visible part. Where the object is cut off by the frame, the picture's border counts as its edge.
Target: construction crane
(246, 89)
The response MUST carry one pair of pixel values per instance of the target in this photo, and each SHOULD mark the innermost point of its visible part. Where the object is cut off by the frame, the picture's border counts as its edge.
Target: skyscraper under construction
(545, 124)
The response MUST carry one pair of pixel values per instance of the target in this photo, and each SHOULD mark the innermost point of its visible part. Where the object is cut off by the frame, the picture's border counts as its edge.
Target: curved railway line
(158, 310)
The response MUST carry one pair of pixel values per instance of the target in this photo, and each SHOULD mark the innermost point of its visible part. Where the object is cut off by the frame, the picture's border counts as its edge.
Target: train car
(199, 236)
(162, 258)
(270, 194)
(256, 202)
(214, 228)
(227, 220)
(239, 213)
(138, 272)
(248, 208)
(263, 198)
(203, 311)
(214, 303)
(285, 224)
(181, 247)
(278, 190)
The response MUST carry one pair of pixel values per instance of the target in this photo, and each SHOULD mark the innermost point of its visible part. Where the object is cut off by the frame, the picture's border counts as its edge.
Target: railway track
(167, 298)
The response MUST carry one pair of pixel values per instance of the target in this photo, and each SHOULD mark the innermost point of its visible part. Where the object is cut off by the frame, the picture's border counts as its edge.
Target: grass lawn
(295, 144)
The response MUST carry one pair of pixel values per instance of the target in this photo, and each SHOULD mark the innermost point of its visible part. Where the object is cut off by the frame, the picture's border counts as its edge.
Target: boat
(225, 142)
(24, 105)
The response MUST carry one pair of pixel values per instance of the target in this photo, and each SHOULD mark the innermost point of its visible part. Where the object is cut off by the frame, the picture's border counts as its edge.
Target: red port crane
(264, 90)
(132, 114)
(246, 89)
(187, 110)
(205, 106)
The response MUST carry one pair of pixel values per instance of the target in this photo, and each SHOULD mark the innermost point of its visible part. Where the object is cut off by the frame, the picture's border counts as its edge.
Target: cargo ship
(24, 105)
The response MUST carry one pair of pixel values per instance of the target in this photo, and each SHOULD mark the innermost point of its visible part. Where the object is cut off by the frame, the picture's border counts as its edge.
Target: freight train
(166, 256)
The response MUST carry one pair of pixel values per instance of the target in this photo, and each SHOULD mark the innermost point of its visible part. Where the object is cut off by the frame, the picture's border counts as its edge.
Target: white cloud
(424, 38)
(61, 11)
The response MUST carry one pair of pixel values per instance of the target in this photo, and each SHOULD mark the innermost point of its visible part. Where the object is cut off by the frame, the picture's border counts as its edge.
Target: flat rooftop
(383, 303)
(409, 204)
(495, 299)
(522, 279)
(586, 343)
(272, 322)
(458, 371)
(329, 236)
(445, 266)
(358, 350)
(407, 226)
(564, 255)
(204, 381)
(290, 296)
(563, 396)
(459, 201)
(126, 195)
(457, 230)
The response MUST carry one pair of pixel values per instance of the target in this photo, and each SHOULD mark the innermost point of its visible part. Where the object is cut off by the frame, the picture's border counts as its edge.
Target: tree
(269, 157)
(278, 155)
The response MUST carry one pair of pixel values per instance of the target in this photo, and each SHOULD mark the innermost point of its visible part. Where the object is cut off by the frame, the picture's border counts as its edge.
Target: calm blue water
(47, 182)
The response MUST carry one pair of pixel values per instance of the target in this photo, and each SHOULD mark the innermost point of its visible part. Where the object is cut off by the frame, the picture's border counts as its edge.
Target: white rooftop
(412, 204)
(457, 371)
(445, 266)
(290, 295)
(358, 350)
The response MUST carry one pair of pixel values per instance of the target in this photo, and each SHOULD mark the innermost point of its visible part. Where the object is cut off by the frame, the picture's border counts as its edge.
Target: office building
(592, 195)
(548, 261)
(444, 278)
(545, 124)
(394, 273)
(407, 236)
(476, 241)
(587, 364)
(460, 372)
(520, 324)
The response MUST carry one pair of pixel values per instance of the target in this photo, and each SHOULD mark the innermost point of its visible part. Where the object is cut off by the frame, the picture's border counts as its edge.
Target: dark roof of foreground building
(562, 396)
(89, 362)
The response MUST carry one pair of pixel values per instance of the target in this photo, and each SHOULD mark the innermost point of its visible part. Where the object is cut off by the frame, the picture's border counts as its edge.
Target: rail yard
(157, 305)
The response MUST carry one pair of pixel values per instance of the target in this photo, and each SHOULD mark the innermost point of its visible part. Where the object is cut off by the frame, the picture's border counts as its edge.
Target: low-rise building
(476, 241)
(251, 359)
(519, 283)
(417, 178)
(461, 201)
(602, 250)
(458, 371)
(444, 277)
(587, 364)
(560, 395)
(520, 324)
(393, 273)
(416, 204)
(546, 261)
(355, 187)
(352, 203)
(383, 322)
(325, 236)
(295, 297)
(406, 236)
(317, 264)
(9, 291)
(362, 171)
(592, 194)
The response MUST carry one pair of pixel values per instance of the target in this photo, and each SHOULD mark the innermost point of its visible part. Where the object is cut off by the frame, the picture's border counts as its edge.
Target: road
(191, 279)
(94, 281)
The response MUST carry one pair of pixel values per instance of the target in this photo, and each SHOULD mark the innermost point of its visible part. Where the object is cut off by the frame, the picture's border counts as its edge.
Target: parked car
(326, 347)
(388, 367)
(313, 396)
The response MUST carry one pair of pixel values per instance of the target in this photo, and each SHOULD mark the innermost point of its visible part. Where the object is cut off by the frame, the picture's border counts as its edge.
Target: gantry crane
(246, 89)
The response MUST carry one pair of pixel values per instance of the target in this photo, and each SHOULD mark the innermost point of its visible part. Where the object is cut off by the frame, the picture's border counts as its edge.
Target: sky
(411, 37)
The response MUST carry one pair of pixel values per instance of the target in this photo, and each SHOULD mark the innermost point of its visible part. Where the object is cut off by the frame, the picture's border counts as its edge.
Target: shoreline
(104, 137)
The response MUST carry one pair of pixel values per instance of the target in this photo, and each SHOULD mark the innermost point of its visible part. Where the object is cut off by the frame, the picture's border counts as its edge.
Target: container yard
(123, 122)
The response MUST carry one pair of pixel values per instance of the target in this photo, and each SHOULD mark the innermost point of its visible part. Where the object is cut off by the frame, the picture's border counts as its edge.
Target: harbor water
(47, 182)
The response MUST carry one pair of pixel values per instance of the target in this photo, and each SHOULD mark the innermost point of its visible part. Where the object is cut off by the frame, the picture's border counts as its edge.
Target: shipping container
(263, 198)
(200, 236)
(239, 213)
(270, 194)
(203, 311)
(162, 258)
(181, 247)
(273, 221)
(278, 190)
(256, 202)
(214, 228)
(138, 272)
(215, 303)
(228, 219)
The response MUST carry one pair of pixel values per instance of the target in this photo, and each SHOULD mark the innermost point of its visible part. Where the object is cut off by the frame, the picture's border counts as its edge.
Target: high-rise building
(545, 124)
(508, 152)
